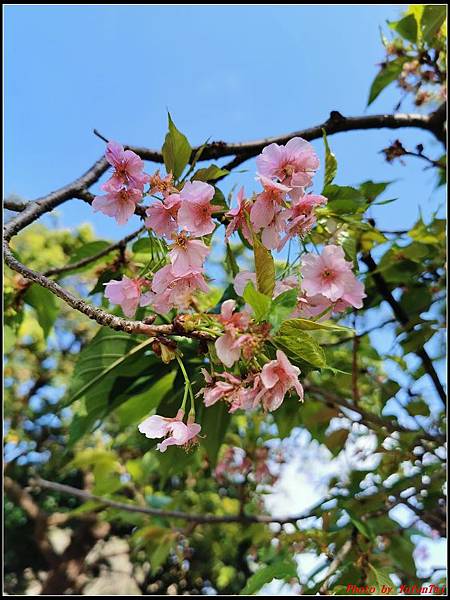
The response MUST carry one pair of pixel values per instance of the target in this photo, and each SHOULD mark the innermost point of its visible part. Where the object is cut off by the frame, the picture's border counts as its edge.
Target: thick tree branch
(403, 319)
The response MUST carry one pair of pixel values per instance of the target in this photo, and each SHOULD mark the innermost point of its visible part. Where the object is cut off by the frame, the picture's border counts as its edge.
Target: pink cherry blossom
(187, 255)
(232, 389)
(228, 346)
(126, 293)
(327, 274)
(301, 217)
(162, 216)
(271, 234)
(310, 307)
(128, 169)
(276, 379)
(293, 164)
(120, 205)
(238, 218)
(170, 291)
(196, 208)
(268, 203)
(177, 432)
(331, 276)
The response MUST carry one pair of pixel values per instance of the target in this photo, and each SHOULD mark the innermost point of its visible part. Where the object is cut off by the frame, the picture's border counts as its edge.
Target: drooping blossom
(229, 345)
(268, 203)
(128, 169)
(171, 291)
(120, 205)
(178, 433)
(276, 379)
(196, 209)
(187, 255)
(238, 218)
(300, 217)
(162, 216)
(310, 307)
(126, 293)
(294, 164)
(227, 387)
(330, 274)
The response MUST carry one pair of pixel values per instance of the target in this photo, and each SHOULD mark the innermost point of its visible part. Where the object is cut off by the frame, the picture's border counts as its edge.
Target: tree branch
(173, 514)
(89, 259)
(368, 417)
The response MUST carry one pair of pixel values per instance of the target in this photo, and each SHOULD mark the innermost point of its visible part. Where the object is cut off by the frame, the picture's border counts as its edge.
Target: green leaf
(210, 173)
(406, 27)
(230, 261)
(86, 251)
(371, 189)
(176, 150)
(380, 579)
(344, 199)
(259, 302)
(282, 569)
(214, 421)
(433, 18)
(388, 73)
(45, 305)
(105, 357)
(265, 268)
(308, 325)
(281, 307)
(299, 344)
(330, 162)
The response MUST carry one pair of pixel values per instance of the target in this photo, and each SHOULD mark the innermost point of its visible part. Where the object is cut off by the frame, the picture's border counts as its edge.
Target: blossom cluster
(183, 215)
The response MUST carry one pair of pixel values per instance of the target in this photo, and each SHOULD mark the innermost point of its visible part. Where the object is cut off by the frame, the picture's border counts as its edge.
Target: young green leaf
(176, 150)
(265, 268)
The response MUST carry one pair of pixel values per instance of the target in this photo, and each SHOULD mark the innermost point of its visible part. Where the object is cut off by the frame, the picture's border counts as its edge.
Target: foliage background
(53, 107)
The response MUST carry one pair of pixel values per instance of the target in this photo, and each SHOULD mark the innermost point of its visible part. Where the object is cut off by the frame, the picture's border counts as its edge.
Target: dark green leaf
(406, 27)
(282, 569)
(388, 73)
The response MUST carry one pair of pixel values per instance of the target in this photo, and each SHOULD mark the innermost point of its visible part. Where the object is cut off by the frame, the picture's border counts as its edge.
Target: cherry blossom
(294, 164)
(187, 255)
(120, 205)
(162, 216)
(238, 218)
(330, 274)
(162, 185)
(126, 293)
(276, 379)
(196, 208)
(301, 218)
(178, 433)
(171, 291)
(128, 169)
(268, 203)
(228, 346)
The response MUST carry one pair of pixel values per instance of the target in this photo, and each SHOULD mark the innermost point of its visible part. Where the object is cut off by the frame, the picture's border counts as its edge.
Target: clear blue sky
(225, 72)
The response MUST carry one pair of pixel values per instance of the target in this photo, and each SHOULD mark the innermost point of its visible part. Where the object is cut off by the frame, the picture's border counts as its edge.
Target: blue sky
(225, 72)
